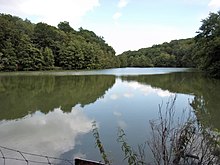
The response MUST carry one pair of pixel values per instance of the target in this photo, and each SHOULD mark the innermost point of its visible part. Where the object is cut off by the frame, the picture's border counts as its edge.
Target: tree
(165, 60)
(27, 46)
(9, 38)
(65, 26)
(8, 57)
(44, 35)
(177, 53)
(208, 45)
(70, 56)
(48, 58)
(25, 60)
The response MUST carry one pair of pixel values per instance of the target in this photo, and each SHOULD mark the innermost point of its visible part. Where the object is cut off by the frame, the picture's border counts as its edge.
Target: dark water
(50, 113)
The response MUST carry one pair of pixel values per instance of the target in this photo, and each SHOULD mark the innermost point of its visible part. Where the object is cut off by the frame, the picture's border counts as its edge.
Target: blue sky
(124, 24)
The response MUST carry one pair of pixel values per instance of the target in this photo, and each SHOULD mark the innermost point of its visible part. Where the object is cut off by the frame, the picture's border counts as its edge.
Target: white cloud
(134, 85)
(44, 133)
(117, 15)
(122, 3)
(117, 114)
(214, 4)
(121, 123)
(114, 97)
(165, 93)
(147, 89)
(49, 11)
(128, 95)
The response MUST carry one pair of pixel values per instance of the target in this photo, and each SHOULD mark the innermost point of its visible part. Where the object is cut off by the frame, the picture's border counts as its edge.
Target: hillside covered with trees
(27, 46)
(202, 51)
(177, 53)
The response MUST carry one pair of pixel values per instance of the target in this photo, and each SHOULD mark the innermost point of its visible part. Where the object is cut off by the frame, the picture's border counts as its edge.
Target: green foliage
(129, 154)
(132, 157)
(65, 26)
(8, 57)
(208, 45)
(27, 46)
(177, 53)
(165, 60)
(70, 57)
(202, 51)
(48, 58)
(99, 143)
(29, 57)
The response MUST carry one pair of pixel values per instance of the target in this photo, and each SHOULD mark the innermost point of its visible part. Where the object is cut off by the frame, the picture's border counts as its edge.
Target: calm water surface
(52, 112)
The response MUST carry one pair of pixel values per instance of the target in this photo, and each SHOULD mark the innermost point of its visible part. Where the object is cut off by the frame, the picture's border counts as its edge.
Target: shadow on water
(20, 95)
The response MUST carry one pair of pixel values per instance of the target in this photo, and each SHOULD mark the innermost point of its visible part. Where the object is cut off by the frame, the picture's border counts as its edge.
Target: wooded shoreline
(25, 46)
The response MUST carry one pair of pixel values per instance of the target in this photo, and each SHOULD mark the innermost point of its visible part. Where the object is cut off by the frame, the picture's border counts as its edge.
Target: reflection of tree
(22, 94)
(199, 105)
(205, 90)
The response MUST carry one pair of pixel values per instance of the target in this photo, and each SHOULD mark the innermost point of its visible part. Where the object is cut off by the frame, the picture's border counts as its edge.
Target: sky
(124, 24)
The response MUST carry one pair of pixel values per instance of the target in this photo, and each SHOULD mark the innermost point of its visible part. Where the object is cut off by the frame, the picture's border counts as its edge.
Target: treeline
(177, 53)
(27, 46)
(202, 51)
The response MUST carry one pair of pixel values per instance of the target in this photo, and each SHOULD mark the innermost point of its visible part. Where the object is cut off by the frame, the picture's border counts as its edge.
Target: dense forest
(177, 53)
(26, 46)
(202, 51)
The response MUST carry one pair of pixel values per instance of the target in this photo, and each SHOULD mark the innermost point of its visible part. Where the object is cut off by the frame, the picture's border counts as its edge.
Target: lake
(51, 112)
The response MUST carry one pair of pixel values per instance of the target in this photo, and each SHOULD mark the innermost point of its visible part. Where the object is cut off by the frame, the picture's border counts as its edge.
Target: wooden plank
(79, 161)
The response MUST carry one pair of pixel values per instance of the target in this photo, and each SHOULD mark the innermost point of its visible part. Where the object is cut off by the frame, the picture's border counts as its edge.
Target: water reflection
(53, 133)
(130, 105)
(148, 90)
(30, 123)
(205, 90)
(20, 95)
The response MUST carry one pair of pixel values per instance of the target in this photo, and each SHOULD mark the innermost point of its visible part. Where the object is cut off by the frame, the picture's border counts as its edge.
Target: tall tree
(208, 45)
